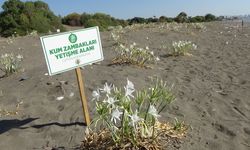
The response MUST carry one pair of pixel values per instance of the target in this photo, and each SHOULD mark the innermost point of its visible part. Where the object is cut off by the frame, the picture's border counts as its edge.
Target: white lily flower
(129, 89)
(122, 46)
(147, 48)
(152, 53)
(96, 95)
(130, 85)
(152, 110)
(131, 46)
(111, 101)
(129, 92)
(20, 57)
(157, 59)
(194, 46)
(60, 98)
(71, 94)
(134, 119)
(107, 88)
(115, 115)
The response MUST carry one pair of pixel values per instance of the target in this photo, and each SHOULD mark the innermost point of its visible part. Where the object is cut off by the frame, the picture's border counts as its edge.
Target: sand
(212, 88)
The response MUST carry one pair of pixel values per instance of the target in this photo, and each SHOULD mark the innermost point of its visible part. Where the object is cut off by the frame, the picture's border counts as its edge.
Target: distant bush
(85, 18)
(170, 19)
(163, 19)
(89, 20)
(152, 20)
(210, 17)
(122, 22)
(104, 21)
(94, 22)
(197, 19)
(73, 19)
(20, 18)
(137, 20)
(181, 18)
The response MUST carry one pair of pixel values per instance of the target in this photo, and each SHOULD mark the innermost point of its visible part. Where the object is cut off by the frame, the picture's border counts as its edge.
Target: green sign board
(70, 50)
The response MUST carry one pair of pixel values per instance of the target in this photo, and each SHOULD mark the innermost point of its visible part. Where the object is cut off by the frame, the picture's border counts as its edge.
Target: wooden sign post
(83, 96)
(72, 50)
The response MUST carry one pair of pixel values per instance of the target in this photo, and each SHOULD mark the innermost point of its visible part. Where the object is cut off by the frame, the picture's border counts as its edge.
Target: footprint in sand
(224, 129)
(247, 131)
(60, 108)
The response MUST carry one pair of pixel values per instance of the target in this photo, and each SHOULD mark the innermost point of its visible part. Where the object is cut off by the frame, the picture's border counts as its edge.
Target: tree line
(104, 20)
(21, 18)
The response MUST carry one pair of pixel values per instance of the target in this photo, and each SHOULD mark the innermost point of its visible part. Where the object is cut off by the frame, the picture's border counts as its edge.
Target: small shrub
(134, 55)
(197, 19)
(210, 17)
(182, 47)
(94, 22)
(137, 20)
(115, 37)
(198, 26)
(178, 125)
(125, 120)
(73, 19)
(181, 18)
(163, 19)
(10, 63)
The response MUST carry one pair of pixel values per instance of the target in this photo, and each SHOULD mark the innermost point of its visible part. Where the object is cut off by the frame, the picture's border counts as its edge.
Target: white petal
(130, 85)
(71, 94)
(60, 98)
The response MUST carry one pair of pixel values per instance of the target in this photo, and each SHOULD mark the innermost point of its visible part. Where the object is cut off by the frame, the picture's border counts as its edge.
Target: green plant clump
(129, 118)
(10, 63)
(183, 47)
(134, 55)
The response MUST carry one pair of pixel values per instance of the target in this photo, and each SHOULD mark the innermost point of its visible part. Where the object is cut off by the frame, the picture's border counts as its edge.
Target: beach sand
(212, 88)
